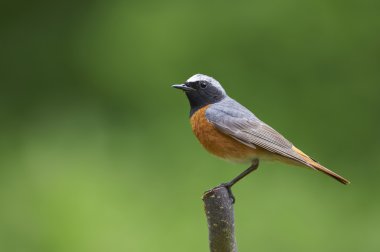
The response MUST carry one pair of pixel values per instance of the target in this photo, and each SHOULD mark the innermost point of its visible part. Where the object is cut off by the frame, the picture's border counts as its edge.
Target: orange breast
(218, 143)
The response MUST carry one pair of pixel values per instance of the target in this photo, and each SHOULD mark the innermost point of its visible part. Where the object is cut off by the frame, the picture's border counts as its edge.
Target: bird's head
(202, 90)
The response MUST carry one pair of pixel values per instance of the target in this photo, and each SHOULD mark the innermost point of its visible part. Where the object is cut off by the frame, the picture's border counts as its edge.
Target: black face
(202, 93)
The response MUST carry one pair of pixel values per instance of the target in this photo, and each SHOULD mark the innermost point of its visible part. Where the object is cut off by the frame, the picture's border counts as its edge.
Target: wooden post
(220, 218)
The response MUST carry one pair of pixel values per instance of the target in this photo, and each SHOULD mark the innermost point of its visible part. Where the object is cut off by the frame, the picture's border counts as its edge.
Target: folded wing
(236, 121)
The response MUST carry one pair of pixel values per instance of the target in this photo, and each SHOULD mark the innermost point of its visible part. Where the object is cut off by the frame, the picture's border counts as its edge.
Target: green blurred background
(96, 148)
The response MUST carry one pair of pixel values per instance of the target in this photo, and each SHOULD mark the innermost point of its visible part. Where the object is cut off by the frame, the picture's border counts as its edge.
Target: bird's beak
(183, 87)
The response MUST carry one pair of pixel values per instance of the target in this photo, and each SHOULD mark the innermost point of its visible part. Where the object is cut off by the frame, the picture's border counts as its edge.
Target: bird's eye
(203, 85)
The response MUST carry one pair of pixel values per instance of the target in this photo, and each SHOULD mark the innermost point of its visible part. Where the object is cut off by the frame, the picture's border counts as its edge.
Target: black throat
(197, 102)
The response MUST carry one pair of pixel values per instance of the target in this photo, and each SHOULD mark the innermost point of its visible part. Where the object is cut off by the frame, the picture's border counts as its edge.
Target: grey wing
(233, 119)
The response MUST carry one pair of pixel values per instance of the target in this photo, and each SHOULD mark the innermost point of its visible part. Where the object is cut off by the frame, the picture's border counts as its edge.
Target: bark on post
(220, 218)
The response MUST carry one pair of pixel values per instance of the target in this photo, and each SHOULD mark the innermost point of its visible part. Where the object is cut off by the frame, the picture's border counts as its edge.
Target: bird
(230, 131)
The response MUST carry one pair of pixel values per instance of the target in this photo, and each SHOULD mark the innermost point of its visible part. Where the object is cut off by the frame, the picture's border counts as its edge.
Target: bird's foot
(228, 187)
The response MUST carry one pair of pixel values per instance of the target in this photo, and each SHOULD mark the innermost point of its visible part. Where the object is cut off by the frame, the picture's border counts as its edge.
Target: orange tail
(320, 167)
(330, 173)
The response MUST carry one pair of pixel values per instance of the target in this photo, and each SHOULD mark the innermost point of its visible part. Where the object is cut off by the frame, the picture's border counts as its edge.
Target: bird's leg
(228, 185)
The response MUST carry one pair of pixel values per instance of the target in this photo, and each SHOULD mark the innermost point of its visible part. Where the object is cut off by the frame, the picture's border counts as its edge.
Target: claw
(230, 194)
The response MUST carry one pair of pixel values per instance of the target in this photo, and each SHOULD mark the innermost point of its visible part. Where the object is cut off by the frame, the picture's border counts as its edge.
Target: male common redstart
(230, 131)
